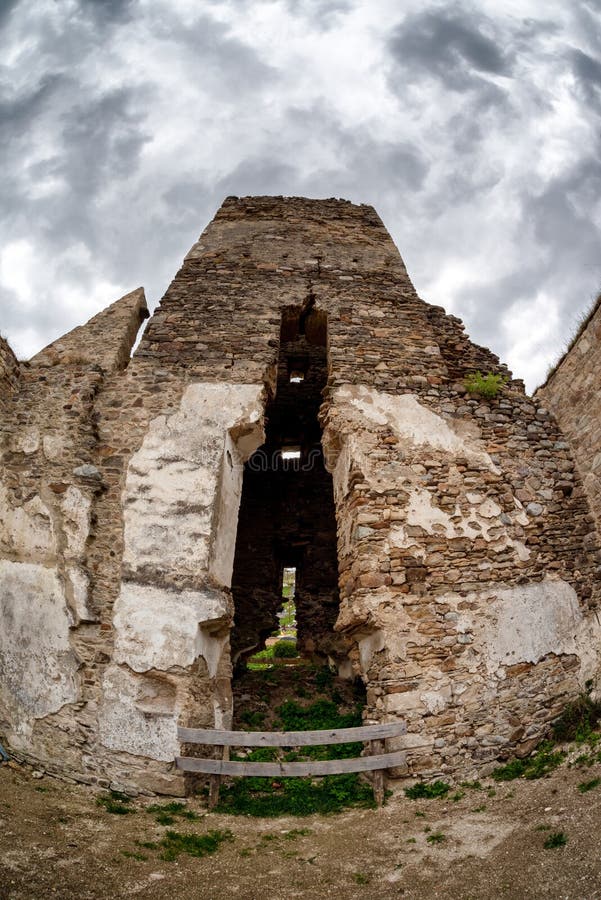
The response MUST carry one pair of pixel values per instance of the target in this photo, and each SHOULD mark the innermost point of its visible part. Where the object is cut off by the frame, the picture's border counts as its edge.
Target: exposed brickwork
(468, 561)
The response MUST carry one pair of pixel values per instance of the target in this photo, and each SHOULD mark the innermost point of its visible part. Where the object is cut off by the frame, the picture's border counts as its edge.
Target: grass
(285, 650)
(557, 839)
(437, 837)
(423, 791)
(174, 843)
(578, 720)
(541, 763)
(586, 786)
(166, 813)
(116, 803)
(295, 796)
(254, 719)
(272, 797)
(132, 854)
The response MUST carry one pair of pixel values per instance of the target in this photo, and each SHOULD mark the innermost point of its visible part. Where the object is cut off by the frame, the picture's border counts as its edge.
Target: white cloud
(469, 127)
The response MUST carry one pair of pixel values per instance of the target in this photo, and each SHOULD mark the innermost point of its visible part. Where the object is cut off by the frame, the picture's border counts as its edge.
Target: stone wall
(467, 555)
(9, 373)
(573, 393)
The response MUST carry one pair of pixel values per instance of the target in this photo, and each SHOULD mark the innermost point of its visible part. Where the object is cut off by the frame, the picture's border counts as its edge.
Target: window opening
(291, 451)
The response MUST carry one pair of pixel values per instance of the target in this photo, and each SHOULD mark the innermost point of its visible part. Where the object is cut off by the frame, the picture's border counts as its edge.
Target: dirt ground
(55, 841)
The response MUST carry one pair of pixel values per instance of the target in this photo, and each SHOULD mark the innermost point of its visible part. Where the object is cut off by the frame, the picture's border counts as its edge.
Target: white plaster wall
(172, 481)
(412, 421)
(124, 720)
(181, 501)
(26, 531)
(156, 628)
(38, 670)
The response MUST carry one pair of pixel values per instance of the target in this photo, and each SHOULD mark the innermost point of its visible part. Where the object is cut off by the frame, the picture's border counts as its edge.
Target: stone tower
(292, 402)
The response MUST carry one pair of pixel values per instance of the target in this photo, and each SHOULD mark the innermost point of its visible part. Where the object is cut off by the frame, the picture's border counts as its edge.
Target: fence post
(379, 776)
(215, 781)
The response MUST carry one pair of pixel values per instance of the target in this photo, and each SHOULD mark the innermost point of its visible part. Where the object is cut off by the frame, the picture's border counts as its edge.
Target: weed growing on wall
(487, 386)
(539, 764)
(578, 719)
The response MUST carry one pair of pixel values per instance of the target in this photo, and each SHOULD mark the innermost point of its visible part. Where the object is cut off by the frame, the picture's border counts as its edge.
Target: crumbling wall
(48, 490)
(467, 555)
(9, 373)
(573, 393)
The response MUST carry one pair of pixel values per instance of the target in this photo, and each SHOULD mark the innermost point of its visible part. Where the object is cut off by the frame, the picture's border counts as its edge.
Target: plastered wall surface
(467, 553)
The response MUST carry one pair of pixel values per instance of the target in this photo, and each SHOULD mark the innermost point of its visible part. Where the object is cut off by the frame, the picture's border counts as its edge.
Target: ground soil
(56, 841)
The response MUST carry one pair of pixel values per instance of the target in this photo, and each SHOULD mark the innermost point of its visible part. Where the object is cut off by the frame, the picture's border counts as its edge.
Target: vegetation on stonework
(578, 720)
(271, 797)
(538, 765)
(487, 386)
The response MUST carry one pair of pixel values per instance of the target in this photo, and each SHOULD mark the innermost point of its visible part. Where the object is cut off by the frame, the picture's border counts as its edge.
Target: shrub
(541, 763)
(422, 791)
(577, 721)
(487, 386)
(285, 650)
(557, 839)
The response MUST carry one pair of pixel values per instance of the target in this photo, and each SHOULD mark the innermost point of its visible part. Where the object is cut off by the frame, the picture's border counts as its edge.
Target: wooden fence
(377, 761)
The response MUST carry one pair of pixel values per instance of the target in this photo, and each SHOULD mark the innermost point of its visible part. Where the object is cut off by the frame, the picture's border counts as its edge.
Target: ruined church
(292, 402)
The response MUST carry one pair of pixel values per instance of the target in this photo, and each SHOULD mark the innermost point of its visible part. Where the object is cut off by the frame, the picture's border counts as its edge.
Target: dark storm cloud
(18, 109)
(6, 8)
(450, 44)
(588, 73)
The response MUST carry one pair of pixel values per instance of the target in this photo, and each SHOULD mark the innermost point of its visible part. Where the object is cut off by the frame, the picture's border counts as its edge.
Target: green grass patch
(302, 796)
(166, 813)
(437, 837)
(297, 832)
(174, 843)
(285, 650)
(132, 854)
(541, 763)
(578, 720)
(253, 719)
(294, 796)
(587, 786)
(557, 839)
(423, 791)
(116, 803)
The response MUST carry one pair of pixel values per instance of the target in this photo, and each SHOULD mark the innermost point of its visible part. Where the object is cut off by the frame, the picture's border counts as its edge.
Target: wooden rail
(377, 761)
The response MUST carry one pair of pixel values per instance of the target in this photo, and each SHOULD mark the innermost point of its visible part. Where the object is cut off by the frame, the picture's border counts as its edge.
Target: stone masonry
(573, 393)
(446, 550)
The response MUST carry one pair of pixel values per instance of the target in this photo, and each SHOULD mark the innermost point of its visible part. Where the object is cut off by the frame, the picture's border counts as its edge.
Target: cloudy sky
(473, 128)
